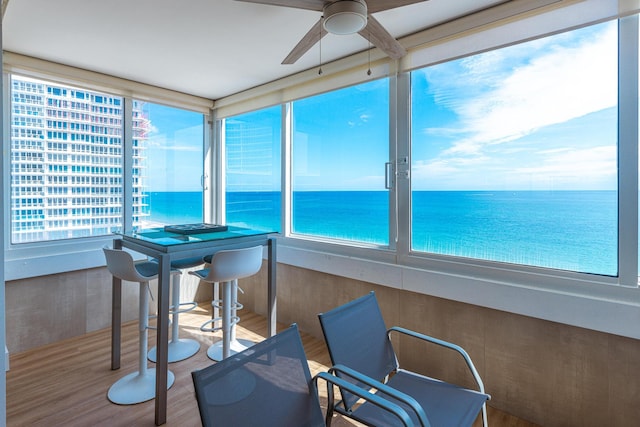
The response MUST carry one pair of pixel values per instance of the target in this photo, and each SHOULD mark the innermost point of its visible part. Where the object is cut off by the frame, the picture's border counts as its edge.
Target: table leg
(116, 315)
(162, 339)
(271, 287)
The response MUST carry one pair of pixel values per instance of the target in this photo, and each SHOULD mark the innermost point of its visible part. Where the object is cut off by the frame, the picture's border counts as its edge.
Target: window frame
(627, 131)
(289, 147)
(222, 177)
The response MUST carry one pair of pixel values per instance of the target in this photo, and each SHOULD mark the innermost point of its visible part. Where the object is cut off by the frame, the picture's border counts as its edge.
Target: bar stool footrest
(191, 305)
(203, 328)
(218, 304)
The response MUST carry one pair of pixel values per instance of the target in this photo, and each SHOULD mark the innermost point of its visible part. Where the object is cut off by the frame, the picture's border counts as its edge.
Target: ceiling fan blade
(374, 6)
(380, 38)
(316, 5)
(312, 37)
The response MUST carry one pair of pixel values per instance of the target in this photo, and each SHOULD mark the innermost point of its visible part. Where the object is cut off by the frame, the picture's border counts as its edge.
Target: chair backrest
(356, 337)
(268, 384)
(120, 264)
(233, 264)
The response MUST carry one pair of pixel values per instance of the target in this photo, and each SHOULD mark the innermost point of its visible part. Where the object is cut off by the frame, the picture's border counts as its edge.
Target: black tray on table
(195, 228)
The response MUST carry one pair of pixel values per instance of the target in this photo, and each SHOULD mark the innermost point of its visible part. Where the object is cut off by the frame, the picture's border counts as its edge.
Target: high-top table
(166, 247)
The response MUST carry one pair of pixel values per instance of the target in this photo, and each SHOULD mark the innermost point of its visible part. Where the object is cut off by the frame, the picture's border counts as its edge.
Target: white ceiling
(209, 48)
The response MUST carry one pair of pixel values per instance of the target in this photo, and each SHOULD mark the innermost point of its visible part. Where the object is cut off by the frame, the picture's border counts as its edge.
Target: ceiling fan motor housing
(345, 16)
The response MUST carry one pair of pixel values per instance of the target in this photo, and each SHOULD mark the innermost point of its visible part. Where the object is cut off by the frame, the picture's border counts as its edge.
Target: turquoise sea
(569, 230)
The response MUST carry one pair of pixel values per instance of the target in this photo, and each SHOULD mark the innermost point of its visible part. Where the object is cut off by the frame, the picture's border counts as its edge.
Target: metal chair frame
(240, 410)
(378, 368)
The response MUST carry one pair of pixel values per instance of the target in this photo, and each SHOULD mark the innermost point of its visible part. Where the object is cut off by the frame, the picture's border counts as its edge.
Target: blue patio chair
(269, 385)
(361, 352)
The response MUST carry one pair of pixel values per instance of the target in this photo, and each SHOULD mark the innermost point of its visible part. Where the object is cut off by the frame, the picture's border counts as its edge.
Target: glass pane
(66, 161)
(340, 146)
(514, 154)
(168, 165)
(252, 147)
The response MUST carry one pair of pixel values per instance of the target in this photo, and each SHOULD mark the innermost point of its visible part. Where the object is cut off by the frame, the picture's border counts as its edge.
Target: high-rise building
(66, 161)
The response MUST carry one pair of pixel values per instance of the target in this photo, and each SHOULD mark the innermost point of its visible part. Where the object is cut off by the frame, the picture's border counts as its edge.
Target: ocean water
(568, 230)
(175, 207)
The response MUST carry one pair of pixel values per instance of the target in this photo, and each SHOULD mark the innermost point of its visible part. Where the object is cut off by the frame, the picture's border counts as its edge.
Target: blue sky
(541, 115)
(340, 139)
(535, 116)
(175, 147)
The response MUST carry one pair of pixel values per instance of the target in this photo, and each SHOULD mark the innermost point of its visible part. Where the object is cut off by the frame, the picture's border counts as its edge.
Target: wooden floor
(66, 383)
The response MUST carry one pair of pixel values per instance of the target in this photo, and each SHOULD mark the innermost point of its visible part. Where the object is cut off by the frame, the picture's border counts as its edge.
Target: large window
(168, 147)
(514, 154)
(340, 146)
(513, 158)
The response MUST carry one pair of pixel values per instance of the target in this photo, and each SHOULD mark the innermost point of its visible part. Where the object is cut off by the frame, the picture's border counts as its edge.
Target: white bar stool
(139, 386)
(179, 348)
(227, 267)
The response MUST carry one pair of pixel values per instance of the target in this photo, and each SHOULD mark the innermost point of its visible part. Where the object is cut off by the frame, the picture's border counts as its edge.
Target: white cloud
(560, 86)
(590, 168)
(501, 100)
(161, 143)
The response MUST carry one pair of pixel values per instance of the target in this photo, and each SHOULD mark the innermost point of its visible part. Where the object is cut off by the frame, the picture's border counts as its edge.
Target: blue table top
(159, 236)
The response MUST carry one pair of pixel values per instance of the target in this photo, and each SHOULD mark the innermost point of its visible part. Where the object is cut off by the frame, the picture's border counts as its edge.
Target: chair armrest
(391, 407)
(445, 344)
(383, 388)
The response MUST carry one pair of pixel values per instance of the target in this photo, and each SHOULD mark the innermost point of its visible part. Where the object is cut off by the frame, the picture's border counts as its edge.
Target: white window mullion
(127, 165)
(286, 136)
(5, 177)
(402, 163)
(218, 166)
(628, 151)
(207, 181)
(390, 166)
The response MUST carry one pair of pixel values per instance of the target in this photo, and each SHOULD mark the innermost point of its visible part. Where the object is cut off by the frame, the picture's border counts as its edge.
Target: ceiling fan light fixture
(345, 16)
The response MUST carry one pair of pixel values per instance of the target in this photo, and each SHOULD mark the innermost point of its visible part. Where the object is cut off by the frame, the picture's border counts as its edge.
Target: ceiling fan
(344, 17)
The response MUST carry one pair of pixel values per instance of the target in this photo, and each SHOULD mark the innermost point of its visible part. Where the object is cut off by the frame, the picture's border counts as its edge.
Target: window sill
(581, 300)
(33, 260)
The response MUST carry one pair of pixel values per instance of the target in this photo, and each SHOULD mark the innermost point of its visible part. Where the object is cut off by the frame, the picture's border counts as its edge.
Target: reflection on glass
(168, 150)
(253, 191)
